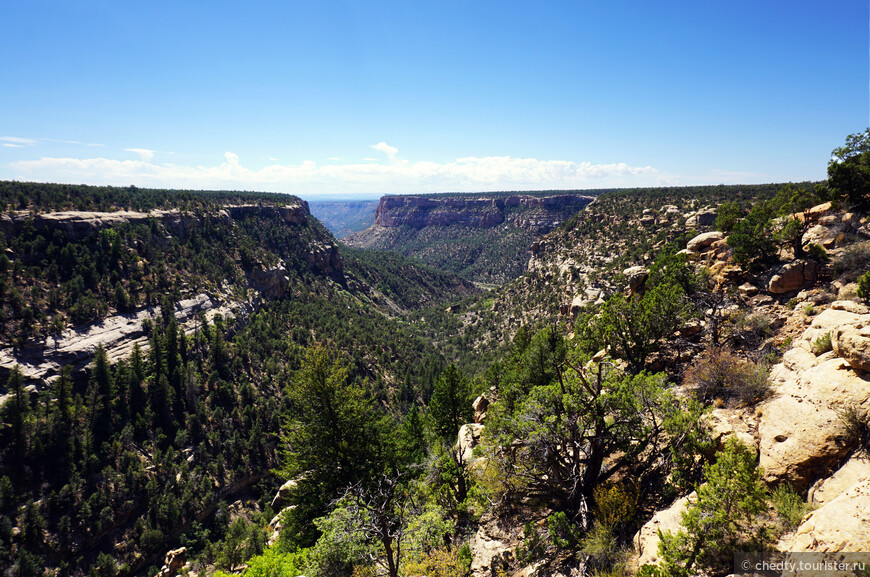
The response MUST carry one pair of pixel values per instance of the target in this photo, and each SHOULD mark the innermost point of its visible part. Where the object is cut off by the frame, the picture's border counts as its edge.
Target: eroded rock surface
(803, 436)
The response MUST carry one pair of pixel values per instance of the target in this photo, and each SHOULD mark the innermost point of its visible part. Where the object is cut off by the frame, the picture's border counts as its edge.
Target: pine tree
(450, 407)
(103, 381)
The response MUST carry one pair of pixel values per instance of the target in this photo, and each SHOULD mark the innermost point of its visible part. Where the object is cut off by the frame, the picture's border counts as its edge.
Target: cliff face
(483, 238)
(79, 224)
(539, 214)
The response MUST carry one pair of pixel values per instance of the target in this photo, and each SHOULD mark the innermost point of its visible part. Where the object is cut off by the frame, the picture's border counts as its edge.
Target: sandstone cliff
(540, 214)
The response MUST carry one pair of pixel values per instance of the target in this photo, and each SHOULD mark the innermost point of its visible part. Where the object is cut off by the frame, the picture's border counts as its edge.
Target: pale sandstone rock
(852, 344)
(842, 524)
(480, 405)
(802, 435)
(704, 240)
(722, 423)
(173, 563)
(492, 548)
(646, 541)
(850, 306)
(117, 334)
(747, 290)
(636, 277)
(469, 438)
(855, 470)
(285, 492)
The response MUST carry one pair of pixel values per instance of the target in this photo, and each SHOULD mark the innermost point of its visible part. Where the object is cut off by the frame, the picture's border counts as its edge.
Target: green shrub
(532, 547)
(790, 507)
(563, 533)
(857, 428)
(751, 329)
(863, 291)
(724, 518)
(822, 344)
(817, 252)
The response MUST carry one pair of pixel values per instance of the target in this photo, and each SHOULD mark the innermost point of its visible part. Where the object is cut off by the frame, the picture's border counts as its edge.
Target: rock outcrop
(803, 435)
(825, 490)
(492, 547)
(852, 344)
(636, 277)
(285, 492)
(840, 525)
(272, 282)
(793, 276)
(469, 438)
(646, 541)
(116, 334)
(79, 224)
(173, 563)
(703, 241)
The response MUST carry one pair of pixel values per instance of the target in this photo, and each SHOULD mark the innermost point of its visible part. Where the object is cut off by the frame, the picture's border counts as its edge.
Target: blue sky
(357, 99)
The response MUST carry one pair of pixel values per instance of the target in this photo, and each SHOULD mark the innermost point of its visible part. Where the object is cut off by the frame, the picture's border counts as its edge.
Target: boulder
(850, 306)
(828, 237)
(636, 277)
(793, 276)
(826, 490)
(469, 438)
(840, 525)
(723, 423)
(853, 346)
(724, 273)
(577, 303)
(492, 547)
(285, 492)
(646, 541)
(747, 290)
(173, 563)
(704, 240)
(703, 217)
(480, 405)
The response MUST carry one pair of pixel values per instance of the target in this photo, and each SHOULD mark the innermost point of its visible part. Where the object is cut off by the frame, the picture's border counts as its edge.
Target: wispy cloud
(17, 142)
(486, 173)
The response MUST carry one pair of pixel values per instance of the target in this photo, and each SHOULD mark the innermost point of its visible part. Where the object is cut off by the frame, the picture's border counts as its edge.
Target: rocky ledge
(79, 224)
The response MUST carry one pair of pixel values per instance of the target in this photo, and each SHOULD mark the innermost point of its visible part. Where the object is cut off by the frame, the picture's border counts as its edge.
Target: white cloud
(474, 174)
(21, 142)
(10, 145)
(144, 153)
(390, 151)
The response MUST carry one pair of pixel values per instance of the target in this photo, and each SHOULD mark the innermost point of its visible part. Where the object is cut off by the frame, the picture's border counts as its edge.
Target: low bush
(863, 291)
(822, 344)
(852, 261)
(790, 507)
(720, 374)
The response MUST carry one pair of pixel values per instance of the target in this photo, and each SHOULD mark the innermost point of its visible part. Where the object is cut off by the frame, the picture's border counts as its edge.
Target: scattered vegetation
(719, 374)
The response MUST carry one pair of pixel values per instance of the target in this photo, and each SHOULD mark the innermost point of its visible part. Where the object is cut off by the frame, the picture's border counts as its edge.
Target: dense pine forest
(334, 411)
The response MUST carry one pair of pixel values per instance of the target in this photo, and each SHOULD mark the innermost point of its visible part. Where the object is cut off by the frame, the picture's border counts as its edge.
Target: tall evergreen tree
(450, 407)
